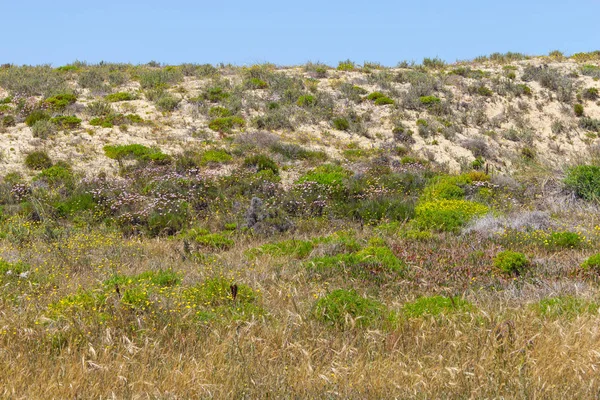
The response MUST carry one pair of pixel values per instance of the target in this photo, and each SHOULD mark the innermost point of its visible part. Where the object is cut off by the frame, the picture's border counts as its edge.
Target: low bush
(66, 121)
(43, 129)
(226, 124)
(60, 101)
(8, 120)
(447, 215)
(307, 100)
(511, 262)
(429, 100)
(255, 83)
(592, 263)
(160, 78)
(261, 163)
(341, 124)
(578, 109)
(136, 152)
(590, 124)
(120, 96)
(590, 94)
(215, 157)
(219, 112)
(584, 180)
(35, 116)
(563, 240)
(38, 160)
(347, 65)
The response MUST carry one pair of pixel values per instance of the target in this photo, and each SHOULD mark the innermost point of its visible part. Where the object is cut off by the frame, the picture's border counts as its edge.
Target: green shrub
(256, 83)
(346, 65)
(447, 215)
(382, 208)
(564, 306)
(99, 109)
(112, 119)
(8, 120)
(382, 101)
(590, 124)
(435, 305)
(35, 116)
(167, 102)
(376, 262)
(60, 101)
(43, 129)
(434, 63)
(120, 96)
(429, 100)
(590, 94)
(66, 121)
(160, 78)
(136, 152)
(528, 153)
(56, 175)
(584, 180)
(38, 160)
(592, 263)
(341, 124)
(335, 308)
(484, 91)
(564, 240)
(226, 124)
(296, 152)
(578, 109)
(307, 100)
(262, 163)
(511, 262)
(446, 187)
(215, 157)
(522, 89)
(213, 94)
(219, 112)
(375, 95)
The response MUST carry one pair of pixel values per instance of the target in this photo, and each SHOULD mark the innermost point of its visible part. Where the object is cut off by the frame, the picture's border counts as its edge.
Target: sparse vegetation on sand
(357, 231)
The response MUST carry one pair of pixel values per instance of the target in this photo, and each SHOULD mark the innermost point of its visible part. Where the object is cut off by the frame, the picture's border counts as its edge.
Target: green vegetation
(120, 96)
(447, 215)
(38, 160)
(434, 306)
(226, 124)
(136, 152)
(564, 307)
(584, 180)
(346, 308)
(261, 163)
(592, 263)
(511, 262)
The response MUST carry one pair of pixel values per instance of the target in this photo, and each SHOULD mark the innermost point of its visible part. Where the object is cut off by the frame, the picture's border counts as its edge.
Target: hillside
(498, 109)
(199, 231)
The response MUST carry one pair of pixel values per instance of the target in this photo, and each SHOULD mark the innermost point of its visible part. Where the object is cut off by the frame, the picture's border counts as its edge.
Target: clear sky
(290, 32)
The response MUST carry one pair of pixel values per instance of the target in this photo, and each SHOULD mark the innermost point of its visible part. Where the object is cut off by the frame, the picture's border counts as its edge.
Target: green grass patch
(435, 306)
(344, 309)
(447, 215)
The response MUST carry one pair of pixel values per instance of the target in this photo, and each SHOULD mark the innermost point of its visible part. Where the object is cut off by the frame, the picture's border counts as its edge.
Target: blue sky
(287, 33)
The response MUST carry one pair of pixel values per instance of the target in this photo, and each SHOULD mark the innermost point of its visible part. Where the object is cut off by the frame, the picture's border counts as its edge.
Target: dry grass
(500, 349)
